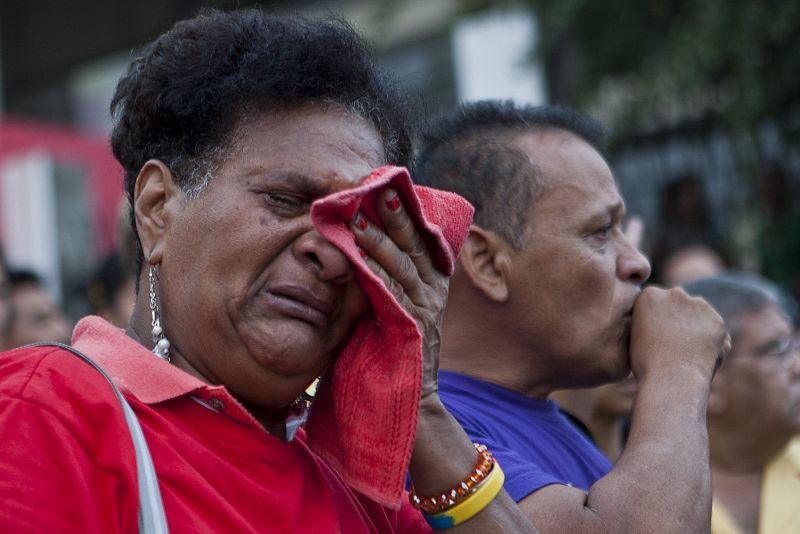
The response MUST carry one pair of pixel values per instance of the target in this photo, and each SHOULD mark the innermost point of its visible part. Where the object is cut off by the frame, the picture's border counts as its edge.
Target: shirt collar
(135, 369)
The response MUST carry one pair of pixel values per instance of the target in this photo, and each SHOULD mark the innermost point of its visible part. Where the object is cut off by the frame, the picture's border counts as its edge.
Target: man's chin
(600, 378)
(620, 372)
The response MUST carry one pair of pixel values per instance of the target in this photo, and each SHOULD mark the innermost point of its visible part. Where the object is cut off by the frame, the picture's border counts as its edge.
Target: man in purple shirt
(534, 441)
(547, 295)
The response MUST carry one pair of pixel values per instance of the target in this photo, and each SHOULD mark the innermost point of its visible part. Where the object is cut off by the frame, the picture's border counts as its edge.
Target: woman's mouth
(299, 303)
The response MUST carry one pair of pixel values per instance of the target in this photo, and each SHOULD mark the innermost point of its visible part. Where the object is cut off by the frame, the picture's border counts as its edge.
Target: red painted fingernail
(393, 201)
(362, 252)
(360, 221)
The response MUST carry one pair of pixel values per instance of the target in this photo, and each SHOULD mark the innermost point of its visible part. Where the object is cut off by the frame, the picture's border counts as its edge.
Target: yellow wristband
(472, 505)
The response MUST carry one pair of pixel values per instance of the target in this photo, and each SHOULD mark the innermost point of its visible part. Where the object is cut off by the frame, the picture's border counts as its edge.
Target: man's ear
(485, 260)
(155, 191)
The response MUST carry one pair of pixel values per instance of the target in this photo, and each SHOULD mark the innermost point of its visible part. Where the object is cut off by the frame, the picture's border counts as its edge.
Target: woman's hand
(442, 453)
(400, 257)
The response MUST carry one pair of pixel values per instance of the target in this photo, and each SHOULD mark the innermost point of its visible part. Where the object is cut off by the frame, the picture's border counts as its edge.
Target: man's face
(759, 385)
(252, 295)
(574, 283)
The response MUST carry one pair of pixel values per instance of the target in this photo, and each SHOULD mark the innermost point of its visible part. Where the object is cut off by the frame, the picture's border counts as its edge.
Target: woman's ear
(486, 262)
(153, 194)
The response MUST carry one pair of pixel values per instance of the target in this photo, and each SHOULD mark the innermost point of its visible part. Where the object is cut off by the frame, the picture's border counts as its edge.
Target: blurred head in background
(37, 315)
(690, 263)
(754, 407)
(112, 291)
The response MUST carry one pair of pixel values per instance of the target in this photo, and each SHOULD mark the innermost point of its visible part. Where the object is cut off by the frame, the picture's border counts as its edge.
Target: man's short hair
(472, 152)
(183, 99)
(735, 295)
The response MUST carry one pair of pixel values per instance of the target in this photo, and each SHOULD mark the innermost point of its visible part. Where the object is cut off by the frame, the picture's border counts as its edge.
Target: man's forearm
(662, 481)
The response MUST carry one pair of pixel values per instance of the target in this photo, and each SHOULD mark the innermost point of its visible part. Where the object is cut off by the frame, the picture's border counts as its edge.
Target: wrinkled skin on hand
(400, 258)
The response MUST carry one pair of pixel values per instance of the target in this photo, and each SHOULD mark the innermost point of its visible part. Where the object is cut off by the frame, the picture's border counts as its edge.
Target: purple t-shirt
(534, 443)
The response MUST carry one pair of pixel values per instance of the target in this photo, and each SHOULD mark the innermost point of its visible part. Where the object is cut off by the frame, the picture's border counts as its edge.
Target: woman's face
(252, 296)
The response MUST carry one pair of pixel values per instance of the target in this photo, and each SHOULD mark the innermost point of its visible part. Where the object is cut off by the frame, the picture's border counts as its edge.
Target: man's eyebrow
(608, 211)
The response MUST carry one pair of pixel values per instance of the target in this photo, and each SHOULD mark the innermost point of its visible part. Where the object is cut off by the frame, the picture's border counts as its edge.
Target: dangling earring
(160, 341)
(299, 410)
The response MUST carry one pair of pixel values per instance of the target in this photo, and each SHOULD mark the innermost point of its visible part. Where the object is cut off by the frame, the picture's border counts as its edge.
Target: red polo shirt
(67, 461)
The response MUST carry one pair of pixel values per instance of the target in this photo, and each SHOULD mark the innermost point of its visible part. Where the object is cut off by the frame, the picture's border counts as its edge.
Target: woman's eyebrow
(295, 179)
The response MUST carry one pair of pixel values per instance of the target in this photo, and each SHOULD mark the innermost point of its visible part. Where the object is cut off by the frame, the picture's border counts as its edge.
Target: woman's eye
(286, 201)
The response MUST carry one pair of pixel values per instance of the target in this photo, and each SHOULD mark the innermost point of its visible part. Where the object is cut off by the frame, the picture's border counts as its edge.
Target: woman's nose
(329, 262)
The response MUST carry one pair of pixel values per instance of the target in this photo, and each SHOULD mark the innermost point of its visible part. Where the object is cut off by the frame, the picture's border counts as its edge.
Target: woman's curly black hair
(182, 100)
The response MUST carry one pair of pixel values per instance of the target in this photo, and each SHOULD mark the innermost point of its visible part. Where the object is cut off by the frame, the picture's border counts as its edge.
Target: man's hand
(672, 331)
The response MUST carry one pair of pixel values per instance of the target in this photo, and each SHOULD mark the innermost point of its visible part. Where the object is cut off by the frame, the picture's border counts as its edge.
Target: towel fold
(365, 415)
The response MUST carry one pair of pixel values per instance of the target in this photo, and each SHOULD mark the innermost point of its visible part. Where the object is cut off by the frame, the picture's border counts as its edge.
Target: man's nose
(632, 265)
(328, 261)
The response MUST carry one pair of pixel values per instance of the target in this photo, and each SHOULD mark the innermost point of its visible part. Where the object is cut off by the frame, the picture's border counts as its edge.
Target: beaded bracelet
(448, 499)
(479, 499)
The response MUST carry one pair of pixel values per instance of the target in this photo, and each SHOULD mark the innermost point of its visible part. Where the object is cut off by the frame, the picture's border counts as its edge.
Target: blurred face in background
(758, 388)
(37, 317)
(691, 263)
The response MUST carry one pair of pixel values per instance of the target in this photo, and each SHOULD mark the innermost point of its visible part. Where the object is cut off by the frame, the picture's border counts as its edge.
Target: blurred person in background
(690, 262)
(5, 303)
(37, 315)
(754, 410)
(548, 295)
(603, 413)
(778, 243)
(687, 243)
(112, 291)
(685, 217)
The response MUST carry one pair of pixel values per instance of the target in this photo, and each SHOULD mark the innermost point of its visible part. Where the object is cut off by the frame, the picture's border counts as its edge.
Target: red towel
(364, 418)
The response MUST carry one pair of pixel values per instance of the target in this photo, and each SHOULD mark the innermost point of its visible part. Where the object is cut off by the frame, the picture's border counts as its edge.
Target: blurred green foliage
(647, 63)
(691, 70)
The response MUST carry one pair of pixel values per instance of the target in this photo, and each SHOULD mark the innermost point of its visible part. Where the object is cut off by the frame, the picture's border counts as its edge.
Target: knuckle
(406, 269)
(378, 238)
(394, 287)
(401, 223)
(417, 250)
